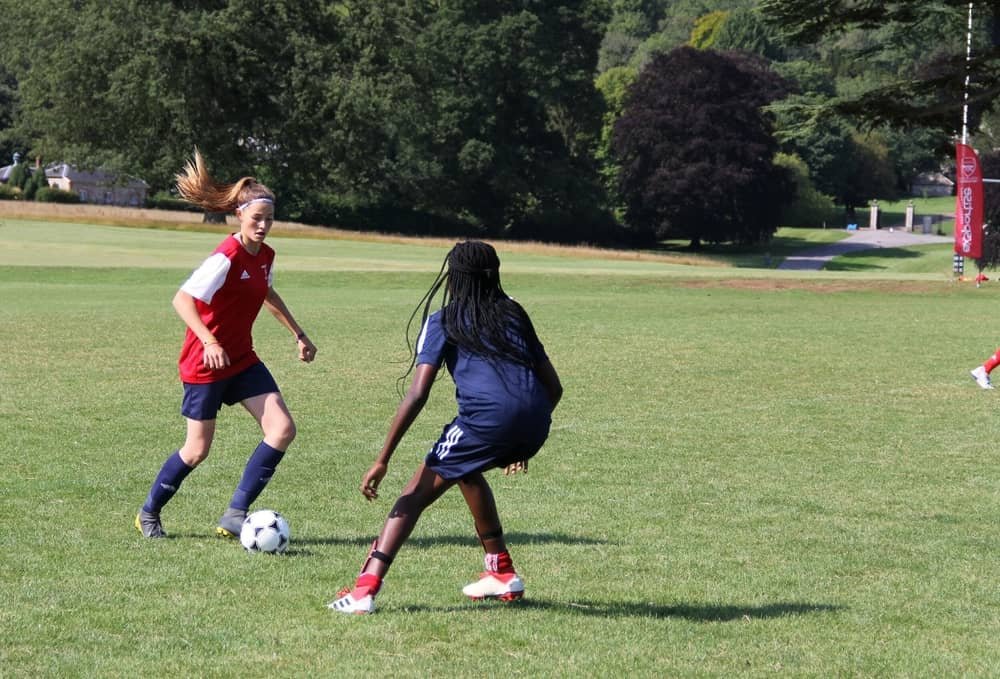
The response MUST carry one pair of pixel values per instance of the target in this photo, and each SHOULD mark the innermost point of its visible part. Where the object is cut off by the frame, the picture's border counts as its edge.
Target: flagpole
(968, 62)
(959, 263)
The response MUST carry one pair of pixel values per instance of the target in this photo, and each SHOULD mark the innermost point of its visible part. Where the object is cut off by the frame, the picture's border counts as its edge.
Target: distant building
(930, 184)
(6, 169)
(98, 186)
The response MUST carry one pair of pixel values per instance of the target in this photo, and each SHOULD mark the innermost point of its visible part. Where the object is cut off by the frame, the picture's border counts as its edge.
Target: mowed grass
(750, 474)
(917, 259)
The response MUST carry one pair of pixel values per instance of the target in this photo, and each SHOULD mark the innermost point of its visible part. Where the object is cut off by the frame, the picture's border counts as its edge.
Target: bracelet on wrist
(210, 342)
(300, 336)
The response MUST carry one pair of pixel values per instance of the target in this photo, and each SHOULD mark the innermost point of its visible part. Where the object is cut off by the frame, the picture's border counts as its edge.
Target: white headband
(255, 200)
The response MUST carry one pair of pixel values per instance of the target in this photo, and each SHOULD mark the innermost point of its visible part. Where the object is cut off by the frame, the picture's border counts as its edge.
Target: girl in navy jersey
(217, 365)
(506, 389)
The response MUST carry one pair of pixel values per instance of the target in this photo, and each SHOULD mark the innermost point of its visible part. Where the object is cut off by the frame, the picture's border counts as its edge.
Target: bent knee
(281, 434)
(194, 454)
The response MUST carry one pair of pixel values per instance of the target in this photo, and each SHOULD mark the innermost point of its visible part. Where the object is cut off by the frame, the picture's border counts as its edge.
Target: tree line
(607, 121)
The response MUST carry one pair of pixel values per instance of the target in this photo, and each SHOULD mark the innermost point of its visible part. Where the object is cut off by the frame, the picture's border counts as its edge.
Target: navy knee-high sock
(172, 473)
(259, 470)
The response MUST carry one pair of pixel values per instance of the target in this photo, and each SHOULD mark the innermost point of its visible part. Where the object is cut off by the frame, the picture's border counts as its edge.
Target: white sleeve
(207, 278)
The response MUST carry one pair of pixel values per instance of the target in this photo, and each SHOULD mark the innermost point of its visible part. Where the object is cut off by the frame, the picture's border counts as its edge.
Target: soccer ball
(265, 531)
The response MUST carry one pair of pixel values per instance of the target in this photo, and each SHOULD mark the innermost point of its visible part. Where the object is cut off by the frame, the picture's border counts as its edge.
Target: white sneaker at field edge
(348, 604)
(502, 586)
(981, 377)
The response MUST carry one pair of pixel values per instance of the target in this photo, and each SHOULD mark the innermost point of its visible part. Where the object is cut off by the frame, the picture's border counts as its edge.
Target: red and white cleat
(348, 604)
(502, 586)
(982, 377)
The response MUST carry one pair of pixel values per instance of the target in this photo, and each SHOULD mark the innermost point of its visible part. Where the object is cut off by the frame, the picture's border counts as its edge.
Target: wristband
(210, 342)
(300, 336)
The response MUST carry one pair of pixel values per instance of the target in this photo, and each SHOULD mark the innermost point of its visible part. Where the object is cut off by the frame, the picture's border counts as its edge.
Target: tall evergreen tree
(911, 54)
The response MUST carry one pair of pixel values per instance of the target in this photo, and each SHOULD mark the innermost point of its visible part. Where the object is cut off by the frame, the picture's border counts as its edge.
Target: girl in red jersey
(217, 365)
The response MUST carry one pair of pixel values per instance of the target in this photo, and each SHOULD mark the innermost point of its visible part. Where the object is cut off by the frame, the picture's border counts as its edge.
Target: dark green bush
(19, 175)
(165, 201)
(8, 192)
(53, 195)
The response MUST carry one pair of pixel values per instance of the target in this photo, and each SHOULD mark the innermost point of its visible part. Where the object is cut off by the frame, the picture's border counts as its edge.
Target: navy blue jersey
(498, 400)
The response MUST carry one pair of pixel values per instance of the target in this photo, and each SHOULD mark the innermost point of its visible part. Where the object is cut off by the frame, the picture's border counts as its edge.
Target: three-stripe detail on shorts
(451, 437)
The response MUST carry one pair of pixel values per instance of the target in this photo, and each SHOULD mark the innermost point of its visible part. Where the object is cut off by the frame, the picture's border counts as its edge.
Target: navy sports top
(497, 399)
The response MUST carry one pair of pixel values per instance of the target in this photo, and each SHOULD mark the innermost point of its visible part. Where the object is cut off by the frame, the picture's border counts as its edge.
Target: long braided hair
(197, 186)
(477, 315)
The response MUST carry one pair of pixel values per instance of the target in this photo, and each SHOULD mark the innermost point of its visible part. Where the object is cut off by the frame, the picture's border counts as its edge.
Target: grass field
(751, 473)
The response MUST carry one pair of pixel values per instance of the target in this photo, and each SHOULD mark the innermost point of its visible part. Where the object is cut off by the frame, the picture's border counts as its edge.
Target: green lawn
(941, 208)
(750, 474)
(919, 259)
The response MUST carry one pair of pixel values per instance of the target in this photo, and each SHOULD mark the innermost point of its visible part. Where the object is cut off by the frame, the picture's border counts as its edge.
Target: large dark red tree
(696, 149)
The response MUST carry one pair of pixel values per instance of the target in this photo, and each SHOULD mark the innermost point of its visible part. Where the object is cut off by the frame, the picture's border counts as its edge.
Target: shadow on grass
(299, 546)
(762, 255)
(725, 613)
(429, 541)
(855, 261)
(707, 613)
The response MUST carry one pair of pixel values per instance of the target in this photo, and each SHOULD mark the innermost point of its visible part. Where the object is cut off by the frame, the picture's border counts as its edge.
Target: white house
(929, 184)
(6, 169)
(98, 186)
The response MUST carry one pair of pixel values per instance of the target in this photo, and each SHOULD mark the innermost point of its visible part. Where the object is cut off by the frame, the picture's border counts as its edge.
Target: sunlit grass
(749, 475)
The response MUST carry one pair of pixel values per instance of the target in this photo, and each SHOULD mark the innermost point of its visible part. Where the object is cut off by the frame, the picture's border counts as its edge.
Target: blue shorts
(459, 452)
(204, 401)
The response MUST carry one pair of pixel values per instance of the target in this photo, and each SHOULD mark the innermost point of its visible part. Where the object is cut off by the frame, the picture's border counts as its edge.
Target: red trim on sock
(367, 583)
(499, 563)
(992, 362)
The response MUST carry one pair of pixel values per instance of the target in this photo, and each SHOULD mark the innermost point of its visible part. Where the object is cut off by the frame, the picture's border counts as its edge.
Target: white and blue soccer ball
(265, 530)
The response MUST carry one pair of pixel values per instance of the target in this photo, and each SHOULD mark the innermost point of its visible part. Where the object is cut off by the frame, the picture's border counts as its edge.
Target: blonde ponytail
(197, 186)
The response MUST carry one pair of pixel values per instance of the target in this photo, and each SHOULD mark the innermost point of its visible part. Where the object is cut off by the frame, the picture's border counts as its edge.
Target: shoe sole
(976, 380)
(357, 611)
(506, 596)
(223, 533)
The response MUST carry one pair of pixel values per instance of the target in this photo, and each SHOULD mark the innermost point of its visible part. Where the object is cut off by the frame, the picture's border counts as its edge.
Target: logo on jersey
(244, 275)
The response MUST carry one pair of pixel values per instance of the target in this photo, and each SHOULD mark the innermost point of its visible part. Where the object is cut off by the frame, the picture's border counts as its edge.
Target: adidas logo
(244, 275)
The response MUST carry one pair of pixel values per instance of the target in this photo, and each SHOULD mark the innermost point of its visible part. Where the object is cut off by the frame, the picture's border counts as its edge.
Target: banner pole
(968, 63)
(959, 264)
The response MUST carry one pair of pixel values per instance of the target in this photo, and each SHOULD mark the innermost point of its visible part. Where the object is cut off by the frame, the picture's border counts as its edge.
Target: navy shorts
(204, 401)
(459, 452)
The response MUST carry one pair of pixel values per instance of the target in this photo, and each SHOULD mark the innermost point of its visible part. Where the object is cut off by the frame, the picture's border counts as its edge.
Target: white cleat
(502, 586)
(981, 377)
(348, 604)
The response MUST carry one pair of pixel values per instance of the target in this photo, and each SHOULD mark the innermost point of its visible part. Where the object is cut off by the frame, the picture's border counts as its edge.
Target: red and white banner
(968, 203)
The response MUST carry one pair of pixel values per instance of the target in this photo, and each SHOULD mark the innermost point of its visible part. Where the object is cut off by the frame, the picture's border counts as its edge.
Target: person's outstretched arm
(278, 308)
(411, 405)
